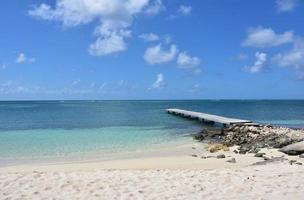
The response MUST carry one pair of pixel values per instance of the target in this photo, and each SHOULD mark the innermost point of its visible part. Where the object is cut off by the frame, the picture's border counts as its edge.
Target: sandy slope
(170, 174)
(273, 181)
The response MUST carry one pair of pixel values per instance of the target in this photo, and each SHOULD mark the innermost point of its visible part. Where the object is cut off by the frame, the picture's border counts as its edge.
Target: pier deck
(204, 117)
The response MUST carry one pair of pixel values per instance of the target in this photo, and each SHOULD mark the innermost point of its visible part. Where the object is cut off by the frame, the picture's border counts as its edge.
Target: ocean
(32, 130)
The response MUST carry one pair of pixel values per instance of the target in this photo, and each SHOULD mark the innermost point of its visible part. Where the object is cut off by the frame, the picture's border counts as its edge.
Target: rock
(243, 149)
(210, 133)
(266, 158)
(200, 137)
(220, 156)
(259, 155)
(217, 147)
(203, 157)
(235, 151)
(282, 141)
(254, 150)
(292, 161)
(251, 138)
(193, 155)
(264, 162)
(232, 160)
(301, 156)
(293, 149)
(298, 163)
(242, 152)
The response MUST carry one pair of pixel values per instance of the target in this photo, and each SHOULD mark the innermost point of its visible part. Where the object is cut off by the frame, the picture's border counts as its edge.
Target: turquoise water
(62, 129)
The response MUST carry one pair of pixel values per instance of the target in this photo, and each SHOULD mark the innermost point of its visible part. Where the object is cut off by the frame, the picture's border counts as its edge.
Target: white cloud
(115, 18)
(159, 82)
(9, 88)
(293, 58)
(158, 55)
(107, 45)
(185, 10)
(266, 37)
(285, 5)
(155, 7)
(71, 88)
(185, 61)
(21, 58)
(149, 37)
(76, 12)
(261, 59)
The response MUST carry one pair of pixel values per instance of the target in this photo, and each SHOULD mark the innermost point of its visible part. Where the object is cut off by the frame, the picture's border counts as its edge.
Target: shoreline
(189, 156)
(182, 172)
(174, 148)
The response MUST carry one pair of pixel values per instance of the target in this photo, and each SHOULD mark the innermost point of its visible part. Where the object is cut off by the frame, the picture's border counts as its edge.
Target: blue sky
(151, 49)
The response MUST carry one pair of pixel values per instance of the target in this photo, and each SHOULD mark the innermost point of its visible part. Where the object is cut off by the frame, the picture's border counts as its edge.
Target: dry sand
(161, 174)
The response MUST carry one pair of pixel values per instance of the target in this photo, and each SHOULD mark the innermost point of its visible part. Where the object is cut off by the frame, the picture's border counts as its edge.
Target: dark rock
(220, 156)
(292, 161)
(266, 158)
(193, 155)
(259, 155)
(242, 152)
(301, 156)
(210, 133)
(204, 157)
(282, 141)
(235, 151)
(293, 149)
(232, 160)
(299, 163)
(199, 137)
(264, 162)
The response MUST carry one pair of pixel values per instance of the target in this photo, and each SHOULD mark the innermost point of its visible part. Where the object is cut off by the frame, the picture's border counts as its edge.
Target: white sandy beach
(170, 174)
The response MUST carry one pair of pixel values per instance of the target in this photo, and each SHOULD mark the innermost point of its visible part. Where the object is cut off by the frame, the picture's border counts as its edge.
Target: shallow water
(58, 129)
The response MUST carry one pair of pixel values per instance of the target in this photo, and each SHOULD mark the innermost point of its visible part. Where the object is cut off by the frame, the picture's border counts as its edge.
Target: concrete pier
(207, 118)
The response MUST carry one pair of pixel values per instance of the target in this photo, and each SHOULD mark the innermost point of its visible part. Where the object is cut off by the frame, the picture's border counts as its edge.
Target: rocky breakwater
(251, 138)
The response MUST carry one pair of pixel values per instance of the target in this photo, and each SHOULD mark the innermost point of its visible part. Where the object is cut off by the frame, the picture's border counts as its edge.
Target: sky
(151, 49)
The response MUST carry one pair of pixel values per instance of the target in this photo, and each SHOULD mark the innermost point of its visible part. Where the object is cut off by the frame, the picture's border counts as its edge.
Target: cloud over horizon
(157, 54)
(259, 64)
(286, 5)
(266, 37)
(115, 19)
(22, 58)
(293, 58)
(150, 37)
(185, 10)
(185, 61)
(159, 82)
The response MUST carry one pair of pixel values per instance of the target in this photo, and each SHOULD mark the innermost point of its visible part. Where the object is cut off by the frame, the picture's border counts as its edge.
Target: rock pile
(251, 138)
